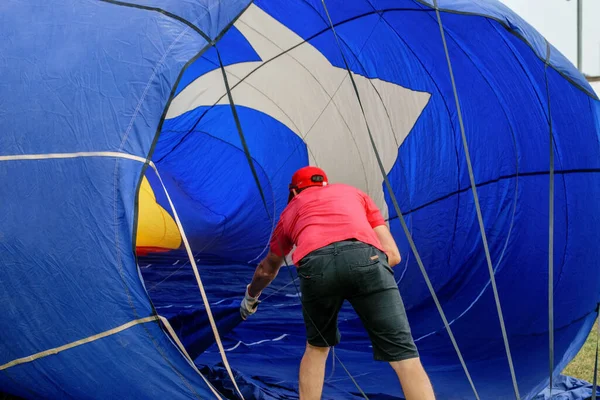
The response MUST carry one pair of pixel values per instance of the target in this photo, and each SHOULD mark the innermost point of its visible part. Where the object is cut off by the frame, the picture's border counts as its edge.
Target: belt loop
(335, 248)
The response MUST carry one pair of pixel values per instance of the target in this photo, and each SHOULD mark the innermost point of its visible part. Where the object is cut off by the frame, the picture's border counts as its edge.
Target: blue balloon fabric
(93, 91)
(568, 388)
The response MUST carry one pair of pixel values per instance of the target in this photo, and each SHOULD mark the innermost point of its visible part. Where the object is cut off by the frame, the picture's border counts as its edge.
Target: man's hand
(265, 273)
(249, 305)
(389, 244)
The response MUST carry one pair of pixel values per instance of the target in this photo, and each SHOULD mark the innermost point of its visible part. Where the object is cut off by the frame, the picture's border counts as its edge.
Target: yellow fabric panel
(156, 227)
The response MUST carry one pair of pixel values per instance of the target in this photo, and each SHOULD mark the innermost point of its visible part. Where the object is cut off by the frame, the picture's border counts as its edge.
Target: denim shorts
(359, 273)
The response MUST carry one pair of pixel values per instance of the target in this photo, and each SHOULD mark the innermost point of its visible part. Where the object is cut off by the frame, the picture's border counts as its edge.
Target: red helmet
(307, 177)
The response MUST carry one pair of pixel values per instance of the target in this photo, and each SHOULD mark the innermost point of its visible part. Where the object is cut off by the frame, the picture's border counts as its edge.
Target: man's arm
(381, 230)
(389, 244)
(266, 271)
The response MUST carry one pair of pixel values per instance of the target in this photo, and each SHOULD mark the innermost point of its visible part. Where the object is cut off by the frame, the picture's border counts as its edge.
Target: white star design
(316, 100)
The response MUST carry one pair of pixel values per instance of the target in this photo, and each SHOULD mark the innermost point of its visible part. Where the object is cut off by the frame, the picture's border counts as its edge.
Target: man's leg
(312, 372)
(415, 382)
(379, 305)
(321, 304)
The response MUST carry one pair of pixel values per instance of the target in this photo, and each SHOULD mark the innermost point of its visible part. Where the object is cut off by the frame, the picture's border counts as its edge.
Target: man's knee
(316, 351)
(409, 364)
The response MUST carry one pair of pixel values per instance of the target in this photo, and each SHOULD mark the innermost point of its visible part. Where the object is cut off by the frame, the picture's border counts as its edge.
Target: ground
(582, 366)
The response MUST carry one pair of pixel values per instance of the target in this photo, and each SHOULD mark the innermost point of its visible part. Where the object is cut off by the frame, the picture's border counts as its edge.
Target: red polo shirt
(320, 216)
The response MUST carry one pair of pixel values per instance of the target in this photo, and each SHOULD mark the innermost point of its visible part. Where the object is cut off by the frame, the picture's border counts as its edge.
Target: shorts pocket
(309, 268)
(311, 282)
(307, 275)
(362, 257)
(388, 268)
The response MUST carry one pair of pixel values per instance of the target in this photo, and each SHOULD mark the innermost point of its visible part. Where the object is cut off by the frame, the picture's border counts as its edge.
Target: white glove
(248, 305)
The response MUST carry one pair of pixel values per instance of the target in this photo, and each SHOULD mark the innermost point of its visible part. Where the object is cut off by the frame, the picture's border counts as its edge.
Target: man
(344, 251)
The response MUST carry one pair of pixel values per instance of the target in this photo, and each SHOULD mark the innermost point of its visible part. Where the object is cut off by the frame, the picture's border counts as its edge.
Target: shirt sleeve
(373, 214)
(280, 241)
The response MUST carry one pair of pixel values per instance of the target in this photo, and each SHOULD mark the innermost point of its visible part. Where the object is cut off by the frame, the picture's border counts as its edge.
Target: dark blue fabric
(216, 218)
(499, 11)
(212, 17)
(194, 326)
(74, 88)
(140, 362)
(501, 83)
(209, 60)
(568, 388)
(78, 79)
(82, 77)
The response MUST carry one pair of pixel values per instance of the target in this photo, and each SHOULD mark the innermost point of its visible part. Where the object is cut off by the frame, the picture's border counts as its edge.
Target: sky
(556, 20)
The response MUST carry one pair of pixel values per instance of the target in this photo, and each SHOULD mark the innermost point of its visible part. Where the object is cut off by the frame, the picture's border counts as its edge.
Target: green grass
(582, 366)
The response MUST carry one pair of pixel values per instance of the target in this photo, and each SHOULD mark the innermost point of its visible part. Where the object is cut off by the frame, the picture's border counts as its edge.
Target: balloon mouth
(147, 250)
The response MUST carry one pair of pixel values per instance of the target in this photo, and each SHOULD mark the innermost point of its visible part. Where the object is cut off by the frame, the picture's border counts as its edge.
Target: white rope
(48, 156)
(213, 324)
(171, 331)
(477, 205)
(77, 343)
(550, 228)
(399, 212)
(114, 154)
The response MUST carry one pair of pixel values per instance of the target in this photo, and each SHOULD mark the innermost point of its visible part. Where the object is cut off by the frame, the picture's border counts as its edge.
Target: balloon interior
(146, 152)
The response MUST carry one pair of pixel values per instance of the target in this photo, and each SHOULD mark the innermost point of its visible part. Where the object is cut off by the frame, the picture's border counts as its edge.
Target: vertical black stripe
(397, 207)
(595, 380)
(164, 12)
(477, 205)
(136, 212)
(241, 134)
(550, 227)
(271, 218)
